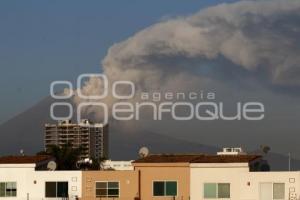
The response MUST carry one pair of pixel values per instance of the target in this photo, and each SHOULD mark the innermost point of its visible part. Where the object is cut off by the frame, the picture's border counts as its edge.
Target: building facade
(105, 185)
(92, 138)
(155, 177)
(24, 178)
(164, 177)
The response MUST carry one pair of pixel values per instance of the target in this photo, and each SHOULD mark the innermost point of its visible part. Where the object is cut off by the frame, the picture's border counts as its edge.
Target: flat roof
(24, 159)
(194, 158)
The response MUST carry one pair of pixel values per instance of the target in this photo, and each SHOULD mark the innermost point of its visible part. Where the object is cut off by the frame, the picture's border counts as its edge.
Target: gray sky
(43, 41)
(243, 52)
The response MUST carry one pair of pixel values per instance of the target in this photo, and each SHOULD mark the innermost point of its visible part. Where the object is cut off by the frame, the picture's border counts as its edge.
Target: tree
(262, 164)
(66, 156)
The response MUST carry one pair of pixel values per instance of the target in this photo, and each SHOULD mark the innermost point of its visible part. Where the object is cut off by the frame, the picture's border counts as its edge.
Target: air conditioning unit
(232, 151)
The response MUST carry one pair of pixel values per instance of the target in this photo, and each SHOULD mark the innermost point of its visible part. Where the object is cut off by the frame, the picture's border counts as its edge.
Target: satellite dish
(143, 152)
(51, 166)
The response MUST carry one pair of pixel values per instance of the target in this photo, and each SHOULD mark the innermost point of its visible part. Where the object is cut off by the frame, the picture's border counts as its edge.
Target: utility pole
(289, 161)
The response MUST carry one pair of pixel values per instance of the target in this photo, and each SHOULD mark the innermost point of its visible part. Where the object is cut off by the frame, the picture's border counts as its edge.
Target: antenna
(51, 166)
(289, 161)
(143, 152)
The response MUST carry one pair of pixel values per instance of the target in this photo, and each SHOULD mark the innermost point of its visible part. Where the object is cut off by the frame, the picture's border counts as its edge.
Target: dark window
(2, 189)
(164, 188)
(107, 189)
(62, 189)
(171, 188)
(56, 189)
(158, 188)
(50, 189)
(113, 192)
(8, 189)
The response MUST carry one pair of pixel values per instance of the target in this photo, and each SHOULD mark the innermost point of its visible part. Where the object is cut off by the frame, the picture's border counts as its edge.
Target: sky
(44, 41)
(245, 51)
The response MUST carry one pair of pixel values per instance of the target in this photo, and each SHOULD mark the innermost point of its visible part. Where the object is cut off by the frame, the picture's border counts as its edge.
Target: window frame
(273, 188)
(165, 188)
(107, 188)
(217, 190)
(5, 189)
(56, 188)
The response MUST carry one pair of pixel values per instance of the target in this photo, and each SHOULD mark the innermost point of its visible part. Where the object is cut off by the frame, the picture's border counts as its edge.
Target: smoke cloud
(217, 48)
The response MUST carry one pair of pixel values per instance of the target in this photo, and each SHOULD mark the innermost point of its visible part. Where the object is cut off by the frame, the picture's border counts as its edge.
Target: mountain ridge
(26, 131)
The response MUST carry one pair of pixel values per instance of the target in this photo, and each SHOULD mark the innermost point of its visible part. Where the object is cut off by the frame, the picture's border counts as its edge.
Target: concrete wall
(31, 183)
(249, 183)
(244, 185)
(216, 173)
(128, 183)
(162, 172)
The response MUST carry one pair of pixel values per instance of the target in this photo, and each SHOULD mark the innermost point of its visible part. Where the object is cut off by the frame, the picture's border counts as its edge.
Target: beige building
(123, 185)
(231, 174)
(164, 177)
(169, 177)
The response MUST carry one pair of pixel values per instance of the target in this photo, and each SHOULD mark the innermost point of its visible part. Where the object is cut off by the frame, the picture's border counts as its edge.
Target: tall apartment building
(92, 138)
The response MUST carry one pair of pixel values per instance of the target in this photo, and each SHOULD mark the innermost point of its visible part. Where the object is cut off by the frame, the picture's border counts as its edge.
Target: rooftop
(24, 159)
(69, 123)
(197, 158)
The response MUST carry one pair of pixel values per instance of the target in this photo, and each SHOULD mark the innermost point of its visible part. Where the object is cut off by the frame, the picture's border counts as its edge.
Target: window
(223, 190)
(56, 189)
(278, 190)
(107, 189)
(210, 190)
(8, 189)
(274, 191)
(216, 190)
(165, 188)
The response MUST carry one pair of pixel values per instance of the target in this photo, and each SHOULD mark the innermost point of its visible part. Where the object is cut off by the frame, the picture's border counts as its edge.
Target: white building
(25, 178)
(117, 165)
(269, 185)
(233, 180)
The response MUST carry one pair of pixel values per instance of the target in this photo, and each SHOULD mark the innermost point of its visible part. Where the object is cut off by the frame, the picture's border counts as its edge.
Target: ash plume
(218, 47)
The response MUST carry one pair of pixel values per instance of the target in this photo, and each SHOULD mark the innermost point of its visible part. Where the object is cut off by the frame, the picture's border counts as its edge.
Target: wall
(244, 185)
(128, 181)
(190, 179)
(216, 173)
(251, 191)
(31, 183)
(155, 172)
